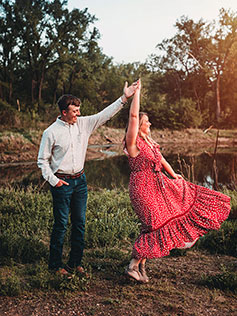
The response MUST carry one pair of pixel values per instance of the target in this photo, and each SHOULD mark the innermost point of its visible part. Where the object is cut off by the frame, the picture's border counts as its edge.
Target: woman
(174, 213)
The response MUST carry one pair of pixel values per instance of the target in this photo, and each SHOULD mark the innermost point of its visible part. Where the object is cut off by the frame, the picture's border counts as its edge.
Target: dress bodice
(147, 158)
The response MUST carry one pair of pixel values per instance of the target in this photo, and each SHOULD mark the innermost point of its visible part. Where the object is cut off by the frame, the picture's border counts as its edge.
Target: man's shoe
(62, 272)
(80, 270)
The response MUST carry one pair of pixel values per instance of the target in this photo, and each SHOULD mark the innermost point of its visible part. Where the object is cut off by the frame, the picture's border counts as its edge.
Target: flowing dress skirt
(172, 212)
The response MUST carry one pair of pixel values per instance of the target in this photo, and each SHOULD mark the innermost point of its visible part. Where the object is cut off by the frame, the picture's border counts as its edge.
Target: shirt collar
(61, 122)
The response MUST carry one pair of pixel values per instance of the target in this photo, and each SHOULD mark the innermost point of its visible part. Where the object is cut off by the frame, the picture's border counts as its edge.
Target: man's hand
(129, 91)
(60, 183)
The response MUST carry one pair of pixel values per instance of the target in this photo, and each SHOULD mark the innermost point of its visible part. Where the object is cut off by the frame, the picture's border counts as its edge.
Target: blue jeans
(72, 197)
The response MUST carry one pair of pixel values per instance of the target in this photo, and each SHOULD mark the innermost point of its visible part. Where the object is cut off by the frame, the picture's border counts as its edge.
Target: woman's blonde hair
(148, 139)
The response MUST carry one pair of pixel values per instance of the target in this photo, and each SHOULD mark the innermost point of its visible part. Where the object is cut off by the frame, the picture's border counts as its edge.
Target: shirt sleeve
(44, 157)
(96, 120)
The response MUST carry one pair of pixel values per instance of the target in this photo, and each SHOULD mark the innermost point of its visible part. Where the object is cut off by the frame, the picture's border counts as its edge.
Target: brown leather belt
(69, 176)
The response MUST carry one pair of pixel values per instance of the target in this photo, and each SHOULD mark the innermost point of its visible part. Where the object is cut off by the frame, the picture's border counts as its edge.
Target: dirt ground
(175, 288)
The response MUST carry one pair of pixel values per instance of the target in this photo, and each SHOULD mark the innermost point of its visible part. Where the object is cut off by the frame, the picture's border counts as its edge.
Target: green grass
(226, 281)
(14, 138)
(26, 221)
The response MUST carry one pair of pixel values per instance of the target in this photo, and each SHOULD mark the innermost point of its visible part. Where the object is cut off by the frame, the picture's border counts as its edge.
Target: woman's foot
(143, 273)
(135, 274)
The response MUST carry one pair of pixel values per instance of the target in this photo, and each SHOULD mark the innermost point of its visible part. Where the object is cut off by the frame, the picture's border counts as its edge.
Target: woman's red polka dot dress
(172, 212)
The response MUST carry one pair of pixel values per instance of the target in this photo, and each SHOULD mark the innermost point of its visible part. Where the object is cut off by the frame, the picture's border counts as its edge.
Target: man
(61, 158)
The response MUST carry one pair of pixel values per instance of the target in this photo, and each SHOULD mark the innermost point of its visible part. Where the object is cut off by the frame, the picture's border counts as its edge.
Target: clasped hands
(129, 91)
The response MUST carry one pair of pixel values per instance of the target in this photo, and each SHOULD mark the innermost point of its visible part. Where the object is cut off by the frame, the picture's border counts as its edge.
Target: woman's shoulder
(139, 143)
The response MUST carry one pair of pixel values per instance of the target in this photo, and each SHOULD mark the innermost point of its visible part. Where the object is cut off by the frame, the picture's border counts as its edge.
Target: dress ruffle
(198, 220)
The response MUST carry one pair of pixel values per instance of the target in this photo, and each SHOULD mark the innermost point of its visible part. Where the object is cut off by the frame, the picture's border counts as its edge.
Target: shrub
(10, 285)
(182, 114)
(226, 281)
(26, 222)
(233, 195)
(223, 241)
(111, 220)
(22, 249)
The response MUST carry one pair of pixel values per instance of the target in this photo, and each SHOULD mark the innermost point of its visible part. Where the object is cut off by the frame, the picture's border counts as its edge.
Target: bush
(226, 281)
(188, 115)
(233, 195)
(22, 249)
(223, 241)
(12, 115)
(111, 220)
(182, 114)
(10, 285)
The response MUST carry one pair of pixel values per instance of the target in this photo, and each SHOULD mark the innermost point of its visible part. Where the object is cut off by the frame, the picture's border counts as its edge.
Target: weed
(223, 241)
(26, 221)
(226, 281)
(111, 220)
(10, 285)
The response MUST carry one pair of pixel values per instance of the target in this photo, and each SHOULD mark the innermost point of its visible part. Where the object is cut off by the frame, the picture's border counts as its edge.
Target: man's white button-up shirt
(63, 146)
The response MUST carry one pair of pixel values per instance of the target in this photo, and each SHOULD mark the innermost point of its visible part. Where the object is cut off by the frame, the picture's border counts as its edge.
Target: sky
(131, 29)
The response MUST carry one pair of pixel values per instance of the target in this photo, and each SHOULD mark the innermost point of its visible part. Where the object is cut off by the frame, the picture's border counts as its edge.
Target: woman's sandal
(135, 274)
(143, 273)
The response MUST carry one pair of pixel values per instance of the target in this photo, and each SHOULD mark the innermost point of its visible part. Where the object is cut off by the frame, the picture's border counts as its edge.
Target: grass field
(200, 281)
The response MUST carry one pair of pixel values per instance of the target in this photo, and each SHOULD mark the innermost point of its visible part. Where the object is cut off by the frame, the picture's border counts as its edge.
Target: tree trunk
(10, 92)
(1, 92)
(55, 87)
(71, 80)
(218, 101)
(33, 85)
(198, 99)
(214, 166)
(41, 87)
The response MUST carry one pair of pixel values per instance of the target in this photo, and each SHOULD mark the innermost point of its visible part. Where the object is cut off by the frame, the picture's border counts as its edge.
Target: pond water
(107, 167)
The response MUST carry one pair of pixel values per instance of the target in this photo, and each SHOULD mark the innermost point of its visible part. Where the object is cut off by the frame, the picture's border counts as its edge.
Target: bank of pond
(107, 167)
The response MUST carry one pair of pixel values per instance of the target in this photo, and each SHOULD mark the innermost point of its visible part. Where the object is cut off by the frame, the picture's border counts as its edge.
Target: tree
(8, 52)
(219, 51)
(51, 37)
(196, 58)
(43, 36)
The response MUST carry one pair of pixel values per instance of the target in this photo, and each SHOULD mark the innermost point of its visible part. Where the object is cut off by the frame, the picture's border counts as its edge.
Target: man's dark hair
(67, 99)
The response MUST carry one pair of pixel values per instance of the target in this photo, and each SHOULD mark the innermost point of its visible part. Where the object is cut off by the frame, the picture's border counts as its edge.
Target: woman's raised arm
(133, 123)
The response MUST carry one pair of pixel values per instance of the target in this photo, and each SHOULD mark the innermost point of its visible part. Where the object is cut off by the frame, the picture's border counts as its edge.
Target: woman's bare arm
(169, 169)
(133, 124)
